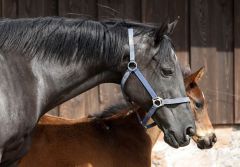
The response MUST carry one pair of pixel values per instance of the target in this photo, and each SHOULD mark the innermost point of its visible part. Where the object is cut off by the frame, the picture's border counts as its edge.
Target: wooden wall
(207, 35)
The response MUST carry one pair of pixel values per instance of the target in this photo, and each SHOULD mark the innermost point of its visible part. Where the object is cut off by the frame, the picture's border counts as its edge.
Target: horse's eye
(167, 71)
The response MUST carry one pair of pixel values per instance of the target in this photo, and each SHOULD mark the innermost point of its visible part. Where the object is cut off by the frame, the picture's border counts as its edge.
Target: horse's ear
(195, 77)
(165, 29)
(160, 32)
(171, 27)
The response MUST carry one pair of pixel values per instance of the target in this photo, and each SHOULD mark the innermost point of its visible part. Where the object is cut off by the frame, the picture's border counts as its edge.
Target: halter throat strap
(157, 101)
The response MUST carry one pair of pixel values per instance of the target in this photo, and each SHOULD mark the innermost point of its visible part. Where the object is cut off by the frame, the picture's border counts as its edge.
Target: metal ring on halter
(157, 102)
(132, 65)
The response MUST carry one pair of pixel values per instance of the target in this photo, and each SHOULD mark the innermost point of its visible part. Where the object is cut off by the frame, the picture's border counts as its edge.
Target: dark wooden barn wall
(236, 51)
(211, 26)
(206, 35)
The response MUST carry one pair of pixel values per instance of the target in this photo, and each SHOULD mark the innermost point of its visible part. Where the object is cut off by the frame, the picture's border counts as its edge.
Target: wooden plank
(54, 111)
(111, 94)
(211, 46)
(154, 11)
(78, 8)
(50, 7)
(9, 8)
(81, 106)
(157, 11)
(181, 33)
(130, 10)
(88, 102)
(1, 8)
(36, 8)
(237, 59)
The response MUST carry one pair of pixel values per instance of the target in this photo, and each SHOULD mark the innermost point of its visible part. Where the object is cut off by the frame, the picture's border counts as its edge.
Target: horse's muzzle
(205, 142)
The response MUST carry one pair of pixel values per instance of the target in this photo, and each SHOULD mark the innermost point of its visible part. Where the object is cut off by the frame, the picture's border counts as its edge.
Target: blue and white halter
(157, 101)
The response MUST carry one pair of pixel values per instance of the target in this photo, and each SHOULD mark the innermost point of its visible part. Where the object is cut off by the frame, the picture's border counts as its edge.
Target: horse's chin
(171, 139)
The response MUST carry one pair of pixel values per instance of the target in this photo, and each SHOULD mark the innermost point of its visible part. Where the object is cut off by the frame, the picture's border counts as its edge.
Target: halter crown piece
(157, 101)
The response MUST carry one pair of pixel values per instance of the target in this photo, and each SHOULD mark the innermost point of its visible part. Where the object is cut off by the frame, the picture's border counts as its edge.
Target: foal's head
(157, 61)
(205, 136)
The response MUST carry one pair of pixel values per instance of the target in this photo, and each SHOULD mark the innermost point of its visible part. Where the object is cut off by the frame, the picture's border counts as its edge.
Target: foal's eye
(167, 71)
(198, 105)
(192, 85)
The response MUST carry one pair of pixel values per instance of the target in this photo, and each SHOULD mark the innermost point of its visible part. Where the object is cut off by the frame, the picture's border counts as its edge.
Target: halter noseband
(157, 101)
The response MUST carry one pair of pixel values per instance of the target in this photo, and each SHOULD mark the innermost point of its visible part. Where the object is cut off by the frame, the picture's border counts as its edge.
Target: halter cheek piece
(157, 101)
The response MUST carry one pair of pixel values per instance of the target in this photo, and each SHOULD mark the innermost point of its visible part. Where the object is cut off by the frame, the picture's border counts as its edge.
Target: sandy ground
(225, 153)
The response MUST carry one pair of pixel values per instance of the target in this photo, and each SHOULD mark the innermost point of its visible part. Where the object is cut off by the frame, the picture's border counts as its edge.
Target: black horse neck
(67, 56)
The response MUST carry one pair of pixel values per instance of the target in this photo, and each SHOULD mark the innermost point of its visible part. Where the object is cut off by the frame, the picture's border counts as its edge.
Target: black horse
(47, 61)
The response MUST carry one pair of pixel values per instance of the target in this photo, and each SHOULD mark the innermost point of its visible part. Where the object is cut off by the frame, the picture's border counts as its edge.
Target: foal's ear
(195, 77)
(199, 74)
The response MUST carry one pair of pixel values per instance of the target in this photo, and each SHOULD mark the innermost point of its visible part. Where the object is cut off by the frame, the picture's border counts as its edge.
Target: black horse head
(157, 61)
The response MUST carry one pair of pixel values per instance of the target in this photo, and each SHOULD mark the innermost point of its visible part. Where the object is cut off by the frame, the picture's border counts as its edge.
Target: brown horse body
(110, 141)
(92, 142)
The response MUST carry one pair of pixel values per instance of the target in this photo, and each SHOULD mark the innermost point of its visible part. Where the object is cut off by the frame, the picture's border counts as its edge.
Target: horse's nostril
(214, 139)
(190, 131)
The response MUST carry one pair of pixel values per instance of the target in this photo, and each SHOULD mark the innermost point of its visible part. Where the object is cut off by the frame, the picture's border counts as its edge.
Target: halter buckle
(157, 102)
(132, 65)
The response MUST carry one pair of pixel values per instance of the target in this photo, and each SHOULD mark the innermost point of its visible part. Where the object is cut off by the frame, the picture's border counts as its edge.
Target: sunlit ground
(225, 153)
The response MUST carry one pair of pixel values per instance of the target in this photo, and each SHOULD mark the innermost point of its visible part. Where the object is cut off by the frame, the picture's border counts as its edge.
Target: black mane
(67, 40)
